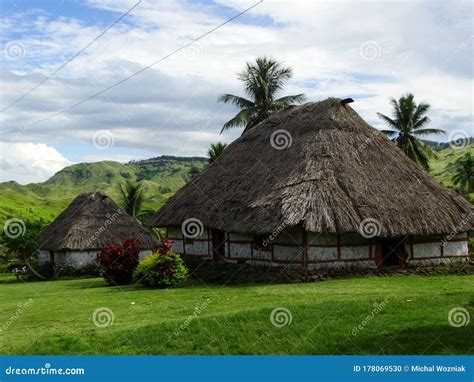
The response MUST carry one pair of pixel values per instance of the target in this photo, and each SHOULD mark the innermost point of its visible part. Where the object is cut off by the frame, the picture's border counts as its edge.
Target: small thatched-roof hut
(317, 186)
(90, 223)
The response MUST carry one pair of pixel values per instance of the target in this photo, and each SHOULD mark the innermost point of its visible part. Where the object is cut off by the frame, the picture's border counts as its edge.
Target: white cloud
(425, 48)
(29, 162)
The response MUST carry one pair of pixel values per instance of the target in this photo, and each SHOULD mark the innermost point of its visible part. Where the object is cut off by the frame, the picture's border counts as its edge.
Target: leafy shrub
(20, 240)
(161, 270)
(118, 262)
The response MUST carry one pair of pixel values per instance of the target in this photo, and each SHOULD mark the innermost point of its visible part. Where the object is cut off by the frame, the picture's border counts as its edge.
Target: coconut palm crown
(407, 125)
(133, 198)
(263, 83)
(216, 150)
(463, 173)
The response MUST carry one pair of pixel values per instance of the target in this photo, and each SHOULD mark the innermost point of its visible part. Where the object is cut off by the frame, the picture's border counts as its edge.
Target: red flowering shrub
(165, 245)
(118, 262)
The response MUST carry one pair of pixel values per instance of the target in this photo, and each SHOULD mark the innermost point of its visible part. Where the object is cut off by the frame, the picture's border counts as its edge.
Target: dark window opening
(393, 252)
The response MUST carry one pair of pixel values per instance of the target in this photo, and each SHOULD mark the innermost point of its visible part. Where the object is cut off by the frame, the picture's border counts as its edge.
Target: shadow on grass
(424, 340)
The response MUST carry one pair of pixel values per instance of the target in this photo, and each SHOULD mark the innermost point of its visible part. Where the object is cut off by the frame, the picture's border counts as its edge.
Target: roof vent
(346, 101)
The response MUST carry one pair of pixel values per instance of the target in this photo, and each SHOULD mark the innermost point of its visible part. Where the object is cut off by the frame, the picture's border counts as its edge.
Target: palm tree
(407, 125)
(133, 198)
(216, 150)
(263, 82)
(463, 169)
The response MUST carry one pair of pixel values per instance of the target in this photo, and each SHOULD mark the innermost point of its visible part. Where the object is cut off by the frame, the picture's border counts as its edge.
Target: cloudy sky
(370, 51)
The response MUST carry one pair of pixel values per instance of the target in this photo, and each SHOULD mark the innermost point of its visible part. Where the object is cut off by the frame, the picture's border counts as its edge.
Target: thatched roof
(337, 172)
(90, 222)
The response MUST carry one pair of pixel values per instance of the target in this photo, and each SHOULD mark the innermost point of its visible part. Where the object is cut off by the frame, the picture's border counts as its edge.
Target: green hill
(438, 166)
(162, 177)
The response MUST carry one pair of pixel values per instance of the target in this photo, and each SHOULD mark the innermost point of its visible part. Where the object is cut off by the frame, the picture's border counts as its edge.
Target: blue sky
(365, 50)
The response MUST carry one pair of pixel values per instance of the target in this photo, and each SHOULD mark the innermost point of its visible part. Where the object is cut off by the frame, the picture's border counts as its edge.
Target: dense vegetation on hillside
(162, 177)
(445, 157)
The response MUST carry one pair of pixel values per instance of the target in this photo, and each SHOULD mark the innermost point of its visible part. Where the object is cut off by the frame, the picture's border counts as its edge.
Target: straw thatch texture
(337, 172)
(92, 221)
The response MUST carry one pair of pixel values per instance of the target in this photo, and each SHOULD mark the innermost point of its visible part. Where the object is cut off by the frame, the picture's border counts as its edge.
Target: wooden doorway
(218, 245)
(391, 252)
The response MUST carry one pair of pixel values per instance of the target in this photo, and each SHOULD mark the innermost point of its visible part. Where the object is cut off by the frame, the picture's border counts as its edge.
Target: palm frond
(242, 119)
(428, 131)
(389, 121)
(235, 100)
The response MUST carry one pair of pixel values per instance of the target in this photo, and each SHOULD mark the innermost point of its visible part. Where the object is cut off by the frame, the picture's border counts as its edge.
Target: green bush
(161, 271)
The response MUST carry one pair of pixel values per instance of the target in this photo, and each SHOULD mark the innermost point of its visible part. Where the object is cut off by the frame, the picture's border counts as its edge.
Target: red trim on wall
(438, 241)
(304, 260)
(304, 254)
(273, 253)
(440, 257)
(338, 246)
(208, 242)
(339, 260)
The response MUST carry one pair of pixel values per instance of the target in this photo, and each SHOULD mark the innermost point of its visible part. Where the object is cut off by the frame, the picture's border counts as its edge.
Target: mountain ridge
(162, 177)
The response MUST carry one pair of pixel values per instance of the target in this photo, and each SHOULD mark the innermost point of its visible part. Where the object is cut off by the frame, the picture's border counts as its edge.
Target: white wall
(355, 251)
(442, 251)
(77, 259)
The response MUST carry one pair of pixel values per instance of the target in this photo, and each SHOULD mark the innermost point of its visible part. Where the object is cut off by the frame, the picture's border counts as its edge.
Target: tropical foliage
(263, 82)
(463, 173)
(21, 244)
(406, 127)
(133, 198)
(216, 150)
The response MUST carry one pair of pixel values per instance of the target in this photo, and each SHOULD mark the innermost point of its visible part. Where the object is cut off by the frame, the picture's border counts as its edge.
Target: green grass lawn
(236, 319)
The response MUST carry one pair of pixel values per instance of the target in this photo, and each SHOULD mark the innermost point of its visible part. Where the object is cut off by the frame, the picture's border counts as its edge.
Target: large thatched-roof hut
(90, 223)
(315, 185)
